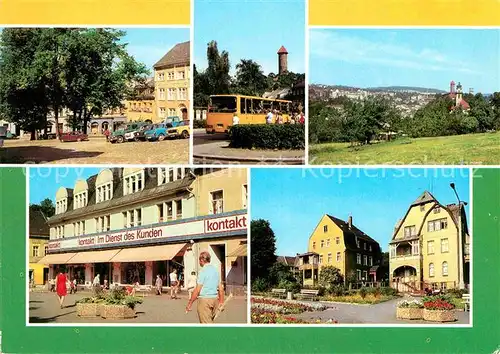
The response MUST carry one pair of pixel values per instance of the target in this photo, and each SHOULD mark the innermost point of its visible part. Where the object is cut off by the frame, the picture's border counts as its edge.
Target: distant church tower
(282, 60)
(452, 87)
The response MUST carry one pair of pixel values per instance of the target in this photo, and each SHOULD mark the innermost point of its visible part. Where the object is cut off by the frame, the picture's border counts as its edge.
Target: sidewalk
(44, 308)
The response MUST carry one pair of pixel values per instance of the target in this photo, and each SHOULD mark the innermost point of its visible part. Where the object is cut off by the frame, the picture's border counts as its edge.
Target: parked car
(157, 132)
(182, 130)
(140, 135)
(73, 136)
(172, 121)
(135, 134)
(118, 136)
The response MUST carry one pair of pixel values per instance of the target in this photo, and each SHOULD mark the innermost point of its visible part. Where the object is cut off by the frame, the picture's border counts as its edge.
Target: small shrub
(338, 290)
(292, 286)
(456, 293)
(388, 291)
(260, 285)
(363, 292)
(268, 136)
(376, 292)
(413, 304)
(199, 124)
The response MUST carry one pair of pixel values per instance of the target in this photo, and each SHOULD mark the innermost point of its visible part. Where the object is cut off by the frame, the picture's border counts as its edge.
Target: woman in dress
(61, 288)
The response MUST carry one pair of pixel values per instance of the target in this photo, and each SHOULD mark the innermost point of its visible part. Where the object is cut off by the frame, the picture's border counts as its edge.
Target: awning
(241, 251)
(60, 258)
(152, 253)
(93, 257)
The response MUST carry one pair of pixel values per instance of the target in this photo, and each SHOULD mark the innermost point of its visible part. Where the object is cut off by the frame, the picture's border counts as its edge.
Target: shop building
(37, 247)
(131, 224)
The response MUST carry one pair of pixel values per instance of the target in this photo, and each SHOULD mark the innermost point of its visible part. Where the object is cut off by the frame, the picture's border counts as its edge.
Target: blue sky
(294, 200)
(148, 45)
(45, 181)
(406, 57)
(251, 30)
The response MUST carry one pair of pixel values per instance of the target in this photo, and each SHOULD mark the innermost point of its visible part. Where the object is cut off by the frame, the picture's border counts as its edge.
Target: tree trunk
(32, 135)
(56, 118)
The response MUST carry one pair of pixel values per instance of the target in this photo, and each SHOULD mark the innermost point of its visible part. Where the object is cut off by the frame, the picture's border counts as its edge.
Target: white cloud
(340, 47)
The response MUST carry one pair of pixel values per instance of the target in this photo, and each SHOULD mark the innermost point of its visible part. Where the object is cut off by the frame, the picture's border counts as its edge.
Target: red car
(73, 136)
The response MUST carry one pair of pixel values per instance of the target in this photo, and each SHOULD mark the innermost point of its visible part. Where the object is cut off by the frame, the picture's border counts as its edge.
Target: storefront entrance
(220, 260)
(104, 271)
(133, 272)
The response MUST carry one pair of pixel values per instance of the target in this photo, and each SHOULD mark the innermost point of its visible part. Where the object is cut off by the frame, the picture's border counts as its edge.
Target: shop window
(217, 202)
(178, 209)
(34, 251)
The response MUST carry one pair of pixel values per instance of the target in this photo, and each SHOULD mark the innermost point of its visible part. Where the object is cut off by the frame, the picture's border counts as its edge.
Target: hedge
(201, 123)
(268, 136)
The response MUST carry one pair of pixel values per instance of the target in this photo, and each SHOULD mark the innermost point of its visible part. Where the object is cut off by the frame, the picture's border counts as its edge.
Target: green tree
(330, 276)
(46, 206)
(495, 102)
(263, 244)
(218, 70)
(250, 79)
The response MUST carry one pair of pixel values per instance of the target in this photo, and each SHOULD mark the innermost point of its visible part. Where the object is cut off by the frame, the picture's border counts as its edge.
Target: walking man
(159, 284)
(209, 291)
(174, 284)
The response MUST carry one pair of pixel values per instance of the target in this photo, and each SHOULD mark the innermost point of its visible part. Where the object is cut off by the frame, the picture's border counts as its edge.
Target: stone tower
(459, 96)
(282, 60)
(452, 86)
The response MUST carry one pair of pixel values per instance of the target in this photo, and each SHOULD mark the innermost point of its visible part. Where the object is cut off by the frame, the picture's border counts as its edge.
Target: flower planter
(117, 311)
(409, 313)
(88, 309)
(439, 315)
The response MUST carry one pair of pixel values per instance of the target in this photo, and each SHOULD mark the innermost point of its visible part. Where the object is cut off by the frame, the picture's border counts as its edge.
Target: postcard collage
(250, 169)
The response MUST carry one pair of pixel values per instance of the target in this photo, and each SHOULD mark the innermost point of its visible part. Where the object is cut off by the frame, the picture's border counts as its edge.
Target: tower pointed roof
(425, 197)
(282, 50)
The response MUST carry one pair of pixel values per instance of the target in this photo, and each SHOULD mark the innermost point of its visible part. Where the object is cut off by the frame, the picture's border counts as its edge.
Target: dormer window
(133, 183)
(104, 192)
(166, 175)
(61, 206)
(80, 200)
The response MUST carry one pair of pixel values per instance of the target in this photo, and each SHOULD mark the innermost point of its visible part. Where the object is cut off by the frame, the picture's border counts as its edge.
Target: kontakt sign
(161, 232)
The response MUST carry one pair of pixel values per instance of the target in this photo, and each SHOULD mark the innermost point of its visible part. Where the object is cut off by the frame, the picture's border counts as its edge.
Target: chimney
(349, 221)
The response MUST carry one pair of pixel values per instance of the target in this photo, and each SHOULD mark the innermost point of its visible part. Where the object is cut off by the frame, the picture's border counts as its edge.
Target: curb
(286, 160)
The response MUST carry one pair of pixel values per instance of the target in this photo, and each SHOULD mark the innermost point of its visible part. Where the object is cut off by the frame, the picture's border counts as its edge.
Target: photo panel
(373, 247)
(136, 246)
(404, 96)
(249, 82)
(95, 95)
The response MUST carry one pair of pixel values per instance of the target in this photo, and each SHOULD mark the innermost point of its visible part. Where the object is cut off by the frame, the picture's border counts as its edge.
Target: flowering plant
(285, 306)
(267, 317)
(412, 304)
(438, 302)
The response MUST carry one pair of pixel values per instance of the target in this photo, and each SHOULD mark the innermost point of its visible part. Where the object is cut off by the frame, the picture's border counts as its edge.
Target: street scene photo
(137, 245)
(404, 96)
(249, 83)
(361, 246)
(94, 95)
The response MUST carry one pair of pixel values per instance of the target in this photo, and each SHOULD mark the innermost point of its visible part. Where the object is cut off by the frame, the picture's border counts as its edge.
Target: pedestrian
(106, 134)
(97, 281)
(191, 284)
(106, 283)
(174, 282)
(236, 119)
(269, 117)
(61, 288)
(52, 283)
(159, 284)
(302, 119)
(209, 291)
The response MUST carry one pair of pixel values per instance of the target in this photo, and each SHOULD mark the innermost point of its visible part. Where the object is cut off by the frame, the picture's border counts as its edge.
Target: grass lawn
(471, 149)
(369, 299)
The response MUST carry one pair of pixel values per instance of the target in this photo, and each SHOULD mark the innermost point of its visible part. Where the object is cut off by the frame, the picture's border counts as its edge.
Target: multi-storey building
(37, 247)
(337, 243)
(143, 106)
(172, 78)
(131, 224)
(430, 246)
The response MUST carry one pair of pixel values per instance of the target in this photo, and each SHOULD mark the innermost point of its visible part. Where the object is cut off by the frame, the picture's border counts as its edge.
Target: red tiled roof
(282, 50)
(464, 104)
(178, 55)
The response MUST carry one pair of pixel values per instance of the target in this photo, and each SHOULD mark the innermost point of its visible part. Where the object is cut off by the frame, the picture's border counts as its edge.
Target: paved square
(44, 308)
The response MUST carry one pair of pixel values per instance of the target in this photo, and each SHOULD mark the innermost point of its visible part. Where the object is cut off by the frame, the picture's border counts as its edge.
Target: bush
(338, 290)
(456, 293)
(268, 136)
(260, 285)
(388, 291)
(363, 292)
(413, 304)
(292, 286)
(199, 124)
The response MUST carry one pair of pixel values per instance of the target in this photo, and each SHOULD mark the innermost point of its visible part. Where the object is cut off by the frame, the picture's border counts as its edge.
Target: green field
(471, 149)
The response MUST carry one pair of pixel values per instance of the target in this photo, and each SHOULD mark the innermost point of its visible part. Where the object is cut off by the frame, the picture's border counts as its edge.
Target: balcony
(308, 266)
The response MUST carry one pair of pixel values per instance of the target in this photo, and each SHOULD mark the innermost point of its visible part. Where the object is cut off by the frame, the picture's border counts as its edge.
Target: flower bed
(284, 306)
(369, 299)
(268, 317)
(410, 310)
(439, 309)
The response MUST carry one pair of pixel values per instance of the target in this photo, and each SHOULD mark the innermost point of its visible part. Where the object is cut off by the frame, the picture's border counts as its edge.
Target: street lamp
(460, 239)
